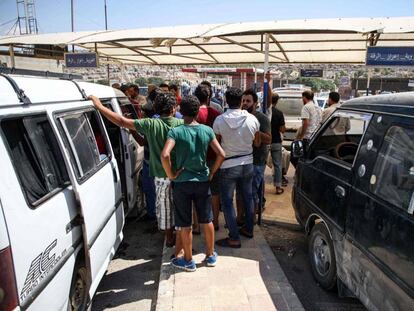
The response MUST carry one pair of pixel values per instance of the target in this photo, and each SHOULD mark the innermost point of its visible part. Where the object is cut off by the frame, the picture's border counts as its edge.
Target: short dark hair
(308, 95)
(164, 85)
(233, 97)
(134, 86)
(275, 98)
(173, 87)
(202, 93)
(334, 96)
(208, 84)
(252, 93)
(124, 87)
(154, 93)
(164, 103)
(189, 106)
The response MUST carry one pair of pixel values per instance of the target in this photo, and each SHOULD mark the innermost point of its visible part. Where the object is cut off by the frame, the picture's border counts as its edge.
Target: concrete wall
(33, 63)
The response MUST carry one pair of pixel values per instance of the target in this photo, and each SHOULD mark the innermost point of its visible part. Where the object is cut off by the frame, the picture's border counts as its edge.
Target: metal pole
(368, 80)
(11, 51)
(106, 28)
(266, 68)
(72, 22)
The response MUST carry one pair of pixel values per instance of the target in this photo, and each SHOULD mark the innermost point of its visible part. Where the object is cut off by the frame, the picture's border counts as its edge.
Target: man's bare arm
(112, 116)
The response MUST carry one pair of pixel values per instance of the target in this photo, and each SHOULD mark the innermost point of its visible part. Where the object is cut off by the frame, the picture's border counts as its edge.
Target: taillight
(8, 292)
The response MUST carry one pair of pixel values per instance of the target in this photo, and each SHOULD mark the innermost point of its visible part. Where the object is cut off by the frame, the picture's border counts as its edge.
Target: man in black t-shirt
(278, 128)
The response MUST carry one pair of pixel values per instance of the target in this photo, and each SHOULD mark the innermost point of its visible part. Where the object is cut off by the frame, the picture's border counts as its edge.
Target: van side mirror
(298, 149)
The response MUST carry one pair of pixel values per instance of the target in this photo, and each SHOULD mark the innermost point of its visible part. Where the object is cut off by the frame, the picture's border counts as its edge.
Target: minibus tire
(78, 296)
(322, 257)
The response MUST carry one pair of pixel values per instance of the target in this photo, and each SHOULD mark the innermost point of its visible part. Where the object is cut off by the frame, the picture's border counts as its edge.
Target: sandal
(225, 243)
(279, 191)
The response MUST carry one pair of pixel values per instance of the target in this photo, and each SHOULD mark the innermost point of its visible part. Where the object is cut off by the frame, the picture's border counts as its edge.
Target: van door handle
(340, 192)
(115, 175)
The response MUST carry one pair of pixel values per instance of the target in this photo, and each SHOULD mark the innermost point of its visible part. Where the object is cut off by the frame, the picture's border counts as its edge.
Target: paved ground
(249, 278)
(288, 243)
(131, 282)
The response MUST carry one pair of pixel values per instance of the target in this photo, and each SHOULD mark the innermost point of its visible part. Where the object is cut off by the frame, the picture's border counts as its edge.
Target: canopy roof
(341, 40)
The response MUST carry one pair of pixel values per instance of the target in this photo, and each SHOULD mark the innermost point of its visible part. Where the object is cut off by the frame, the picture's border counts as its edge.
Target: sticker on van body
(40, 268)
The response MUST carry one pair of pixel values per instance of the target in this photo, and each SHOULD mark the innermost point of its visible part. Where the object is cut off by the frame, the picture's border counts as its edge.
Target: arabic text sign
(390, 56)
(311, 73)
(81, 60)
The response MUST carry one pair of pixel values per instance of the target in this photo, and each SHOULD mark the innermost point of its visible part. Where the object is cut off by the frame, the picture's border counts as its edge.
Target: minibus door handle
(340, 192)
(115, 174)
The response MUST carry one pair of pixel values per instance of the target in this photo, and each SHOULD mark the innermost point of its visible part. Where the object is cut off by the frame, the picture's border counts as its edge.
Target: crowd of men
(198, 155)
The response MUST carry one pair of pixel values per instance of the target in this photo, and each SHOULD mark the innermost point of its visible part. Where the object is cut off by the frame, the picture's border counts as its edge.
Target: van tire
(322, 257)
(78, 296)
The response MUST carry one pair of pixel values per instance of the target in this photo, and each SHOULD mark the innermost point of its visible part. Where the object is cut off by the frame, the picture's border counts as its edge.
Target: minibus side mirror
(298, 149)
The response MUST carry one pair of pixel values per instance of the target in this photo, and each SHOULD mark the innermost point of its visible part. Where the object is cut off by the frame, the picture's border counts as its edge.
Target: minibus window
(87, 141)
(340, 139)
(393, 179)
(36, 156)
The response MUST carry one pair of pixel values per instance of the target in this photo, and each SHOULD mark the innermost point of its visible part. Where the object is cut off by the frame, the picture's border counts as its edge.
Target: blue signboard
(390, 56)
(81, 60)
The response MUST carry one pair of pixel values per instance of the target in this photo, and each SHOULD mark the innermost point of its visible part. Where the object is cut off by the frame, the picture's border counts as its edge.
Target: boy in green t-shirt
(155, 131)
(191, 181)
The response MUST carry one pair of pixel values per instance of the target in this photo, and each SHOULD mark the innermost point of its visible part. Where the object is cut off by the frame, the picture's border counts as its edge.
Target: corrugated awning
(291, 41)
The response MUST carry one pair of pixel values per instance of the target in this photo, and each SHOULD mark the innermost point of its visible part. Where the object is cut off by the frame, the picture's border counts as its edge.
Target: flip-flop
(225, 243)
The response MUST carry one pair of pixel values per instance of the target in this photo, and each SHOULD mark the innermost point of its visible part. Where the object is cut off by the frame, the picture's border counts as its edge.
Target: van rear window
(36, 156)
(290, 106)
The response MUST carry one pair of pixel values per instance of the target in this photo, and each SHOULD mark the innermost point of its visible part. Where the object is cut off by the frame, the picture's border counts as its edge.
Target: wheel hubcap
(321, 255)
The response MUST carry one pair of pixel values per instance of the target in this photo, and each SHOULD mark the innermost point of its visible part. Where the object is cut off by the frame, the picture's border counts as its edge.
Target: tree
(155, 80)
(103, 81)
(141, 81)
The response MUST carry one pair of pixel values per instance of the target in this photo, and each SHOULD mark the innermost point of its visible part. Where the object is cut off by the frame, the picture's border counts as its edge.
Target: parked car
(354, 195)
(61, 207)
(128, 153)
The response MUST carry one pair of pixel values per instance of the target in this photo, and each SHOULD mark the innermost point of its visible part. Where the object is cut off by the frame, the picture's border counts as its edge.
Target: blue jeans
(241, 176)
(276, 151)
(148, 187)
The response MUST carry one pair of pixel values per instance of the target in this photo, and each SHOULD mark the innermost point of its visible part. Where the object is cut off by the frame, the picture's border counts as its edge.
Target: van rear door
(98, 186)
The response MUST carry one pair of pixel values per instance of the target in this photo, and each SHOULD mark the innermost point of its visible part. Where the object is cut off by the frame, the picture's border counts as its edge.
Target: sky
(54, 15)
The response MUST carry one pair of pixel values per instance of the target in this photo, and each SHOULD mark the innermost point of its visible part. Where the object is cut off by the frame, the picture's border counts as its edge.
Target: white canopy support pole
(368, 79)
(266, 69)
(11, 51)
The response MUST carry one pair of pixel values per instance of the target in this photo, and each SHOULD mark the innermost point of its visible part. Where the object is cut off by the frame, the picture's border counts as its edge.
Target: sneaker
(211, 260)
(183, 264)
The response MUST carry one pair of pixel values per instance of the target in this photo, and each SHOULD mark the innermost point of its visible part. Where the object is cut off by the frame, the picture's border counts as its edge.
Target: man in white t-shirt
(238, 130)
(311, 116)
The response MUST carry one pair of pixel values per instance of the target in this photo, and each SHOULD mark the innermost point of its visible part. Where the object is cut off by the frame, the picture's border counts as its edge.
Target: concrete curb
(277, 284)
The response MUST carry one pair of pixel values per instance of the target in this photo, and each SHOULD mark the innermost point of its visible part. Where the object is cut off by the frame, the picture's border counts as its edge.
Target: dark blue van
(354, 195)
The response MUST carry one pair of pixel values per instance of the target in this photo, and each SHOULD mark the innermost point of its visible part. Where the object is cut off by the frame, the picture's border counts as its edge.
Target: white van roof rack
(19, 92)
(38, 73)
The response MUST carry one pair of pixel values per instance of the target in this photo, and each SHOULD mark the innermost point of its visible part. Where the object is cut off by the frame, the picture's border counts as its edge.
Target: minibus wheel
(322, 256)
(78, 297)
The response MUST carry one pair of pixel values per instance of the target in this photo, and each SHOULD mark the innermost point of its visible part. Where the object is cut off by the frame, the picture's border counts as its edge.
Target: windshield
(290, 106)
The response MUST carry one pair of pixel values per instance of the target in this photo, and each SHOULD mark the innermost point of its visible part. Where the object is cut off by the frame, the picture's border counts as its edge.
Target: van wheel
(322, 257)
(78, 297)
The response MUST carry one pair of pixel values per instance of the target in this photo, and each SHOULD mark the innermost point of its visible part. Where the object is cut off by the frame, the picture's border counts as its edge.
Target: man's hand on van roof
(112, 116)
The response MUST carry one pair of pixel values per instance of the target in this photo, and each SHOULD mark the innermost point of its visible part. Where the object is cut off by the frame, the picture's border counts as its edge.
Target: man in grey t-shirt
(310, 115)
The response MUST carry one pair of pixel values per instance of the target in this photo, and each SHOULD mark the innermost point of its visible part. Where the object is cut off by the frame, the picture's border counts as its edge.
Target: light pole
(106, 28)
